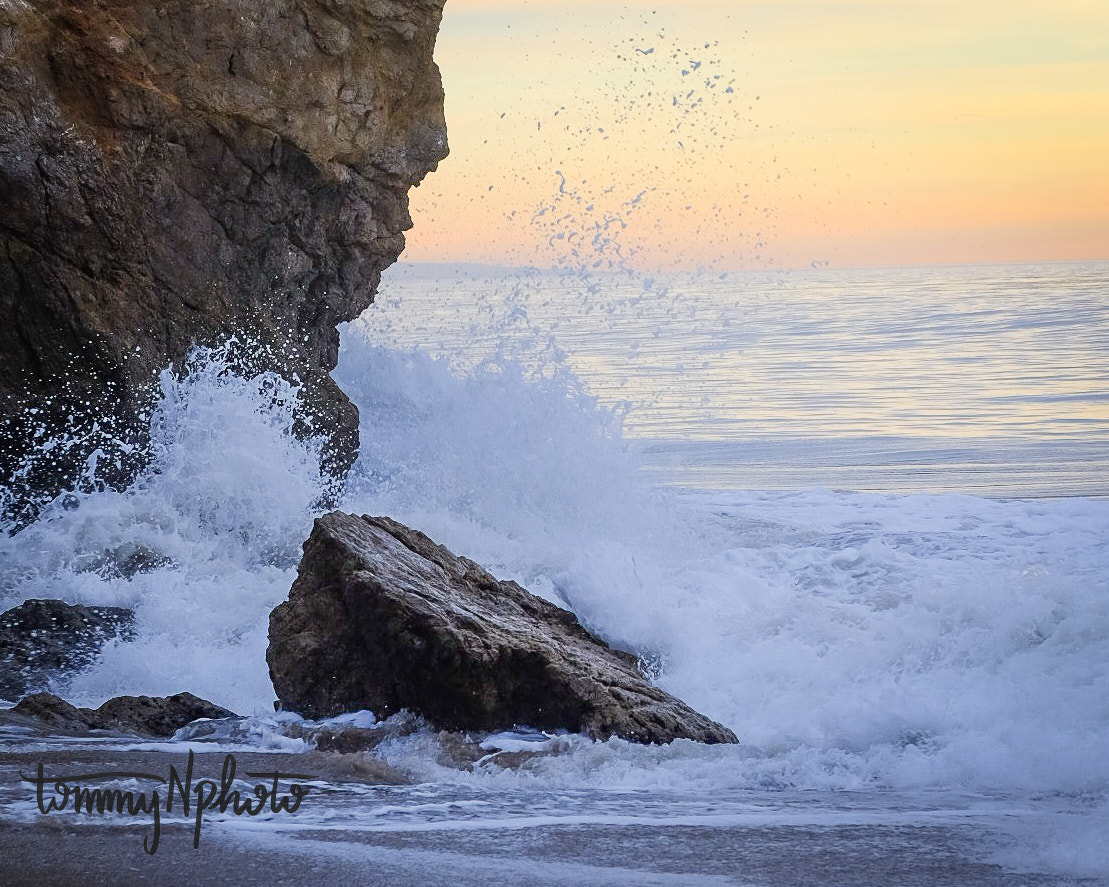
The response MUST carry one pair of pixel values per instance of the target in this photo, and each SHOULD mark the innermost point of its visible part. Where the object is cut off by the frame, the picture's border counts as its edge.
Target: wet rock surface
(382, 618)
(156, 716)
(153, 715)
(174, 173)
(42, 640)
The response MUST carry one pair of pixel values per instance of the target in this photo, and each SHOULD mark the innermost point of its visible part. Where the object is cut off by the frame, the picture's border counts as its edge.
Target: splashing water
(851, 640)
(220, 511)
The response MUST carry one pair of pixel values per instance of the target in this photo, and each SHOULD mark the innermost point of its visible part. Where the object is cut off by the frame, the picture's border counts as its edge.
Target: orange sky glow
(738, 135)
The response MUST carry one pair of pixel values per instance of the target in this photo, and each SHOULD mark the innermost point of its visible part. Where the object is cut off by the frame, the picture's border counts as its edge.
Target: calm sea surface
(991, 380)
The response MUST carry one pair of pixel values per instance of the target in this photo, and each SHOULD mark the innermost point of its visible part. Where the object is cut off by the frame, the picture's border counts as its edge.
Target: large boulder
(177, 172)
(41, 640)
(382, 618)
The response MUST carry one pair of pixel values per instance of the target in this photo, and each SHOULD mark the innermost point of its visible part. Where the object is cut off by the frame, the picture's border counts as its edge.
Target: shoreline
(836, 839)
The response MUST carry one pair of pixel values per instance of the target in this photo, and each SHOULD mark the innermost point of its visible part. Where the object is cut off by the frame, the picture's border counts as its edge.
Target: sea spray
(222, 507)
(851, 640)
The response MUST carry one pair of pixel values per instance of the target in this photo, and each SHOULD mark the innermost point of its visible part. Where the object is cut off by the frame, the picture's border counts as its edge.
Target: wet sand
(45, 854)
(64, 848)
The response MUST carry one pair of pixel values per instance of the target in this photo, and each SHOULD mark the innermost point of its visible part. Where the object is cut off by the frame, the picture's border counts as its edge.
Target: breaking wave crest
(850, 640)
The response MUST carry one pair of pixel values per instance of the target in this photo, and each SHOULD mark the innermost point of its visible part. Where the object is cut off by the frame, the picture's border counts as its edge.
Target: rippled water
(987, 379)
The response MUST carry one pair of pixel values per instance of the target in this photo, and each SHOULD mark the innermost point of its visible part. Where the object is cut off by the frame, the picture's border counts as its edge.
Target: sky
(731, 135)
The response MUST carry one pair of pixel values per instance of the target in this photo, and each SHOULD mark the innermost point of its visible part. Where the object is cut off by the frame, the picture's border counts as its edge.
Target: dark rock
(326, 736)
(464, 752)
(514, 760)
(53, 712)
(152, 715)
(458, 750)
(348, 739)
(41, 640)
(175, 173)
(159, 716)
(382, 618)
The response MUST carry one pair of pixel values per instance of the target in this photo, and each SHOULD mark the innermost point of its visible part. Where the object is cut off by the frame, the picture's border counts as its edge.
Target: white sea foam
(853, 641)
(224, 506)
(849, 639)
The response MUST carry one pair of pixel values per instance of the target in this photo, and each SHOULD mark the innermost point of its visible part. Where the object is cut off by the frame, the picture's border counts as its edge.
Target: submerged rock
(123, 562)
(382, 618)
(42, 640)
(158, 716)
(175, 173)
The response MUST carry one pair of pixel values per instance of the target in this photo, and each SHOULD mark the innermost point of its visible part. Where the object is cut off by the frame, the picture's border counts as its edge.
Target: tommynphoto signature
(90, 793)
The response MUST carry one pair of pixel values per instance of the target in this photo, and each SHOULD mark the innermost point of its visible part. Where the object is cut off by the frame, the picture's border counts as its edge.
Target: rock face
(382, 618)
(143, 715)
(173, 172)
(41, 639)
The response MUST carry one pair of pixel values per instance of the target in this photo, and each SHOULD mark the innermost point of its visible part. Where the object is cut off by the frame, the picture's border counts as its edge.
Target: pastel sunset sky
(770, 134)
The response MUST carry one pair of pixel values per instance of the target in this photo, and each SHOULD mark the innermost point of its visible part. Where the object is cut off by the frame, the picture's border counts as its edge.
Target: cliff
(175, 172)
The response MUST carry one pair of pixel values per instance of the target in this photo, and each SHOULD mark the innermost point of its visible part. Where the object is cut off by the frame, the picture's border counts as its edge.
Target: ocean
(859, 517)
